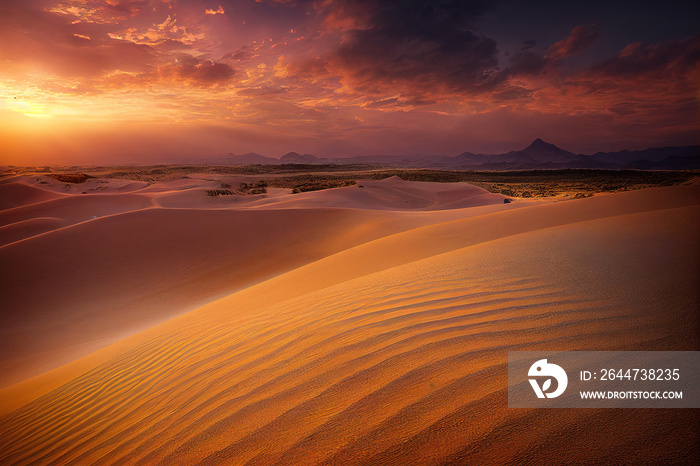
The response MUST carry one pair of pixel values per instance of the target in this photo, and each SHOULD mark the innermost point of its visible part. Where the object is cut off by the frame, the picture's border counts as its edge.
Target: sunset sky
(140, 81)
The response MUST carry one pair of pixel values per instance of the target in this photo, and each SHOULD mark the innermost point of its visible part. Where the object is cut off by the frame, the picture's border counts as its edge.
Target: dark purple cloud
(579, 40)
(526, 61)
(417, 44)
(677, 57)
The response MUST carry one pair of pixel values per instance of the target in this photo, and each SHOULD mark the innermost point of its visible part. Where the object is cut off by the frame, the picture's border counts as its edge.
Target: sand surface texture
(157, 325)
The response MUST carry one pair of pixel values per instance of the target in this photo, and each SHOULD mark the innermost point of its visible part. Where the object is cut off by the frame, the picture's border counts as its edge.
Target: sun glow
(27, 108)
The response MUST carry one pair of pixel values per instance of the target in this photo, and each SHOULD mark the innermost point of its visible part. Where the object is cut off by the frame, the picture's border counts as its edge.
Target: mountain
(538, 155)
(543, 155)
(251, 158)
(544, 152)
(535, 155)
(293, 157)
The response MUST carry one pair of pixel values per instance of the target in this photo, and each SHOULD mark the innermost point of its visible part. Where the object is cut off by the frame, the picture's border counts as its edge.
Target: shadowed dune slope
(104, 279)
(70, 210)
(27, 228)
(400, 357)
(14, 194)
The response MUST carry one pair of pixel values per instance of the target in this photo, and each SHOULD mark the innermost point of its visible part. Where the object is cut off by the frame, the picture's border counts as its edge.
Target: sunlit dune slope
(394, 351)
(391, 194)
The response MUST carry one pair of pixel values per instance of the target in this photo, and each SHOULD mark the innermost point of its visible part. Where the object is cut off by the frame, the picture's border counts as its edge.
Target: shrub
(220, 192)
(74, 178)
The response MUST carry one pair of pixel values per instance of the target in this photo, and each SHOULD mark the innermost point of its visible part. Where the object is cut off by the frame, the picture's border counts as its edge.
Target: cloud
(99, 12)
(390, 102)
(528, 44)
(579, 40)
(32, 36)
(219, 11)
(413, 44)
(263, 91)
(408, 71)
(195, 71)
(677, 57)
(311, 68)
(509, 93)
(525, 61)
(169, 29)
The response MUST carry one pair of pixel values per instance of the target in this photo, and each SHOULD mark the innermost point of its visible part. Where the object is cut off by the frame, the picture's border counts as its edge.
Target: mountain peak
(545, 152)
(540, 144)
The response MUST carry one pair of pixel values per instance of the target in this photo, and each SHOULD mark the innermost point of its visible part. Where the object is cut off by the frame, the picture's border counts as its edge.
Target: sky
(152, 81)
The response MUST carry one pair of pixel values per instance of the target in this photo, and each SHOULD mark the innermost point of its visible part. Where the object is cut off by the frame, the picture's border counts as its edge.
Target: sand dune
(111, 265)
(14, 194)
(383, 339)
(390, 194)
(109, 277)
(75, 209)
(23, 229)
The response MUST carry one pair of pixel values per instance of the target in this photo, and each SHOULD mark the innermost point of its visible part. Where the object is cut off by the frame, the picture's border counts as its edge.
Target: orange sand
(342, 327)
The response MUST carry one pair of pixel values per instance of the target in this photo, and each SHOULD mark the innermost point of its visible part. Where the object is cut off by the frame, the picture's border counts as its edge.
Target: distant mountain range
(538, 155)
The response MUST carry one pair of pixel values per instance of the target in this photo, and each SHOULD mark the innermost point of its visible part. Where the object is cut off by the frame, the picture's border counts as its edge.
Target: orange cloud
(219, 11)
(91, 11)
(169, 29)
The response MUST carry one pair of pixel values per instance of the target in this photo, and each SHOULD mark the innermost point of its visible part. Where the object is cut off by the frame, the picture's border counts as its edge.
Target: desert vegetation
(75, 178)
(257, 188)
(524, 184)
(220, 192)
(245, 188)
(569, 183)
(312, 184)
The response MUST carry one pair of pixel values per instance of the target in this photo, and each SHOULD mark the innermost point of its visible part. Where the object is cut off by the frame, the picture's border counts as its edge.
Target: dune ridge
(393, 350)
